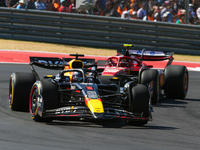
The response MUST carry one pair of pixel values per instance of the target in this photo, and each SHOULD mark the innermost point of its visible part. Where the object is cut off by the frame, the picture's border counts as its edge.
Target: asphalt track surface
(175, 125)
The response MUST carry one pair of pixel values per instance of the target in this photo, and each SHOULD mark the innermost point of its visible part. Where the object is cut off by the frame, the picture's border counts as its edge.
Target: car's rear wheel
(139, 103)
(44, 96)
(19, 89)
(176, 81)
(151, 75)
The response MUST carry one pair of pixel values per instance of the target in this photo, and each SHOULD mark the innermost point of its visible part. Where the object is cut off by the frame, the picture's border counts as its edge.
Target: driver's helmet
(77, 77)
(124, 63)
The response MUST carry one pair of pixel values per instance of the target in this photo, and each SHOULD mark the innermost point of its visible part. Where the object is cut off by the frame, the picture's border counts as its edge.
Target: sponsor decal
(64, 111)
(139, 52)
(112, 70)
(152, 53)
(49, 62)
(92, 95)
(120, 112)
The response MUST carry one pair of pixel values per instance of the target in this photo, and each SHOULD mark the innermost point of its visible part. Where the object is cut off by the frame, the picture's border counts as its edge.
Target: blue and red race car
(76, 92)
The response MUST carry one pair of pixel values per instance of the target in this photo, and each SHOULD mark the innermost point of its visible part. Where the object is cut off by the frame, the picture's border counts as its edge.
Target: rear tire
(176, 81)
(19, 90)
(48, 92)
(140, 103)
(148, 76)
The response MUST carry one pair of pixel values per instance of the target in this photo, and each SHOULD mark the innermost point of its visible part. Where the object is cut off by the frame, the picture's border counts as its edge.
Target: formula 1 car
(173, 79)
(76, 92)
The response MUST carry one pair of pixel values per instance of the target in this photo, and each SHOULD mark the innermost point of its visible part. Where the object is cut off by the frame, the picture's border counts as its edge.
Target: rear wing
(147, 55)
(57, 63)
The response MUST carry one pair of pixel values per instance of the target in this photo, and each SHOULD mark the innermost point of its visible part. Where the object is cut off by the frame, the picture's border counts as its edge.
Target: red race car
(128, 64)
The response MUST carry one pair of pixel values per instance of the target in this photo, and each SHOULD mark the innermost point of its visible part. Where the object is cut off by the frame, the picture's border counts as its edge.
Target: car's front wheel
(44, 96)
(140, 103)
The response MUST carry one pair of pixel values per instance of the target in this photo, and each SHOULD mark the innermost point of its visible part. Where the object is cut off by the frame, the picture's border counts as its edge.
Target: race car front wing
(83, 112)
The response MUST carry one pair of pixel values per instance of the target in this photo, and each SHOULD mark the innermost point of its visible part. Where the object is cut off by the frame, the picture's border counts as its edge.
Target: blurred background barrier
(97, 31)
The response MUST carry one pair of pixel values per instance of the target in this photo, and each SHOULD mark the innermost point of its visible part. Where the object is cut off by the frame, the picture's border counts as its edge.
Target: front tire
(19, 89)
(176, 81)
(140, 103)
(44, 96)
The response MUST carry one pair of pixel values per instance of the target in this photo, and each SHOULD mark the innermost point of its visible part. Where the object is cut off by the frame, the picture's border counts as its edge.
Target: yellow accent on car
(72, 108)
(35, 113)
(128, 45)
(70, 66)
(106, 75)
(161, 80)
(129, 71)
(75, 61)
(38, 88)
(95, 106)
(49, 76)
(115, 78)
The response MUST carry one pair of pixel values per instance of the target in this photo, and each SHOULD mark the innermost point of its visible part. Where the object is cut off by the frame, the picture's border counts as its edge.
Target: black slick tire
(140, 103)
(19, 90)
(148, 76)
(45, 93)
(176, 81)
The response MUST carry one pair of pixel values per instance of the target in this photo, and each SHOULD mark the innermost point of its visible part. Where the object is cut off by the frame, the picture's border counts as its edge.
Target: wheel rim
(33, 101)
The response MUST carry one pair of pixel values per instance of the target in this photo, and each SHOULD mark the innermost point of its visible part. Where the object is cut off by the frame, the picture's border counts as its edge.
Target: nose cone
(95, 105)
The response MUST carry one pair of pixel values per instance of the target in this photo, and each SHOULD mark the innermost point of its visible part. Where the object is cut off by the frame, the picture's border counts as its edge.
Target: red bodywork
(123, 65)
(130, 65)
